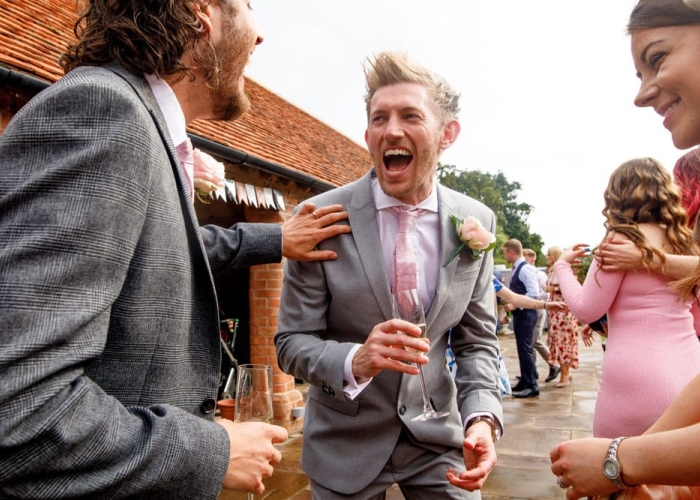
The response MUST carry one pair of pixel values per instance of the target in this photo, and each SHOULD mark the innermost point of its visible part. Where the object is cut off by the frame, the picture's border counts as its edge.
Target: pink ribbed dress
(652, 350)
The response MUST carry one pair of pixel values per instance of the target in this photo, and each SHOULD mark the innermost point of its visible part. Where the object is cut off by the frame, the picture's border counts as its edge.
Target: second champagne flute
(408, 306)
(254, 396)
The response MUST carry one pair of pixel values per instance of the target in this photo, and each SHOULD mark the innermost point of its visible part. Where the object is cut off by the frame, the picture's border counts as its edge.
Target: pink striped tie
(186, 156)
(405, 267)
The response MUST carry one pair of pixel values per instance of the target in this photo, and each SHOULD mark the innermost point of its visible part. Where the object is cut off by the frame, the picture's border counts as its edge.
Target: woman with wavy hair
(652, 351)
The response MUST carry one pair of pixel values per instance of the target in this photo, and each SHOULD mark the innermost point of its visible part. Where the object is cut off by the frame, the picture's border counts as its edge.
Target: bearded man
(111, 356)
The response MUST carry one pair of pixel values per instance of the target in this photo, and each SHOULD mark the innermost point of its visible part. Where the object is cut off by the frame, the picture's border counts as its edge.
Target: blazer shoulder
(461, 204)
(342, 195)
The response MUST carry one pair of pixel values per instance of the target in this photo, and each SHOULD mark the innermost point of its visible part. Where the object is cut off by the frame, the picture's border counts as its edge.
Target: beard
(227, 60)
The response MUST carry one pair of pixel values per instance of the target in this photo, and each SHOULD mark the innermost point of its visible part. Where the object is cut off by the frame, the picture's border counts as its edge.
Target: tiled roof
(34, 33)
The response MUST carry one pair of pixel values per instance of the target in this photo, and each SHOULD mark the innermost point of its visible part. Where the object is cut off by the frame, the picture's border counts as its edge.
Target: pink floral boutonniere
(474, 236)
(208, 175)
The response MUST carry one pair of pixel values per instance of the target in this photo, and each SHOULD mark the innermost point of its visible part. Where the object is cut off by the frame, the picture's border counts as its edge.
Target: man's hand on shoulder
(309, 227)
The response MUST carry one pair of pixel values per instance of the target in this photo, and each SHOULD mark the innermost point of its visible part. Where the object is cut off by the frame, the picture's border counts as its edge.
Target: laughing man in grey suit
(336, 330)
(110, 353)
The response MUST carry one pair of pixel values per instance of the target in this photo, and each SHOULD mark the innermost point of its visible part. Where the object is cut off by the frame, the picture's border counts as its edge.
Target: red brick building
(276, 146)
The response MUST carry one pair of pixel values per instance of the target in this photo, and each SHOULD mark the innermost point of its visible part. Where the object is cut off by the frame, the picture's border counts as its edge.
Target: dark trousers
(524, 321)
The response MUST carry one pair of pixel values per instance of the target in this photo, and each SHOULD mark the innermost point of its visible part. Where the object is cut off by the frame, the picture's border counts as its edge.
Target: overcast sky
(547, 88)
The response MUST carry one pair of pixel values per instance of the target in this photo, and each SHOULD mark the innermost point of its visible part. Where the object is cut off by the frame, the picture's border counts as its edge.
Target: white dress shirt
(174, 118)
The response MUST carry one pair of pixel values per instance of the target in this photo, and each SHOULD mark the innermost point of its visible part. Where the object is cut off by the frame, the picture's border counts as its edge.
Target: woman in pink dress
(652, 351)
(563, 327)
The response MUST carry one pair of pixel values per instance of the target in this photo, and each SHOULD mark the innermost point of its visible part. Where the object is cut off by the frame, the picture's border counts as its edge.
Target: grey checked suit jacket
(110, 355)
(327, 307)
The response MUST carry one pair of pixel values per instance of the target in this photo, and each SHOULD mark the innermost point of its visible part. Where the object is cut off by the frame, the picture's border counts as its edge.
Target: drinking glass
(254, 396)
(408, 306)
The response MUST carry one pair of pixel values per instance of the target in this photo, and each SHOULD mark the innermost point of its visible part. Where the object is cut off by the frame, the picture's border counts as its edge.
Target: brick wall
(264, 293)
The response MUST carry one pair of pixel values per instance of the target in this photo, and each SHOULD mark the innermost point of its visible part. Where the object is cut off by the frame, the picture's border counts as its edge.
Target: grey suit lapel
(143, 90)
(363, 220)
(448, 244)
(145, 94)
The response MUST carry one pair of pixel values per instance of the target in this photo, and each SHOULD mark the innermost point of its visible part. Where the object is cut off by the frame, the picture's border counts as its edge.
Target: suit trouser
(524, 321)
(419, 472)
(537, 343)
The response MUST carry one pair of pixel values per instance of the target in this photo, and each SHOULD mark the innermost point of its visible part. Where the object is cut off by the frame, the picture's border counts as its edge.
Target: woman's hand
(575, 253)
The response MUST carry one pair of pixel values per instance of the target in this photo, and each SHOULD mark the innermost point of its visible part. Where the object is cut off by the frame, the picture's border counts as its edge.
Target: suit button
(402, 410)
(208, 405)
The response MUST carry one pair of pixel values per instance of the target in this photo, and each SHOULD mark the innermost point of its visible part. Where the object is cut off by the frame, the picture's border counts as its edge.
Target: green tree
(500, 195)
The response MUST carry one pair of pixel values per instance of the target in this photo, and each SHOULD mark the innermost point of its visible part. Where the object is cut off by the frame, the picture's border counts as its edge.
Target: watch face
(611, 468)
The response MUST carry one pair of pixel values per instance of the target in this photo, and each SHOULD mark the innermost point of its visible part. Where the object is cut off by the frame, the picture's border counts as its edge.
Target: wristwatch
(487, 420)
(611, 465)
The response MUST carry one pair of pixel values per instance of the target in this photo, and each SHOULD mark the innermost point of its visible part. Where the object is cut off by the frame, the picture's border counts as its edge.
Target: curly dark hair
(144, 36)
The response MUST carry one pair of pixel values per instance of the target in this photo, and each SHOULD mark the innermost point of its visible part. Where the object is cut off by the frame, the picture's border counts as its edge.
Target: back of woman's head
(554, 253)
(660, 14)
(144, 36)
(642, 191)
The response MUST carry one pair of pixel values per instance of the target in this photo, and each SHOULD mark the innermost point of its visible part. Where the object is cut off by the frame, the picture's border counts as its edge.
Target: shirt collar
(383, 200)
(170, 107)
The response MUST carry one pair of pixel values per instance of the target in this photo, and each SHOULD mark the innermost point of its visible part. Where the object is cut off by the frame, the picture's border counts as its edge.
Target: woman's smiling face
(668, 64)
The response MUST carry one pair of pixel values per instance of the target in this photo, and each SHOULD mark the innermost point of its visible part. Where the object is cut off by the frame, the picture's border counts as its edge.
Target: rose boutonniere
(472, 235)
(208, 175)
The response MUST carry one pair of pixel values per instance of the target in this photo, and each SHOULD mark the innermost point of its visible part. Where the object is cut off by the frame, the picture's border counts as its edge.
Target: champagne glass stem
(427, 405)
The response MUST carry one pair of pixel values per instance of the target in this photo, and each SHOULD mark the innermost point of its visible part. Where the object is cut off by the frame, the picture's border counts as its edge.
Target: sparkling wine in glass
(254, 396)
(408, 307)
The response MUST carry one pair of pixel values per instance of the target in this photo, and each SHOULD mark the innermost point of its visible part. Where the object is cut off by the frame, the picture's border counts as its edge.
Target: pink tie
(186, 155)
(405, 266)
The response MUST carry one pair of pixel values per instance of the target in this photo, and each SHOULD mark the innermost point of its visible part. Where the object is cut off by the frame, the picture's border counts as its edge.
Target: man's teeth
(671, 108)
(397, 152)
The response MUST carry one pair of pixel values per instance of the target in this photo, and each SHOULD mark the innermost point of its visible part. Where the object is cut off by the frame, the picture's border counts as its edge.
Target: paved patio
(533, 427)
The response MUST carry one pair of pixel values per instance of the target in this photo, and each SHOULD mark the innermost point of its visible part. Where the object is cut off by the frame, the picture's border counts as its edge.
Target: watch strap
(612, 455)
(488, 420)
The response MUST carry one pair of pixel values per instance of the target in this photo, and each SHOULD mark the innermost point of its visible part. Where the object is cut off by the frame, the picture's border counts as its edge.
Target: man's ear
(450, 132)
(204, 15)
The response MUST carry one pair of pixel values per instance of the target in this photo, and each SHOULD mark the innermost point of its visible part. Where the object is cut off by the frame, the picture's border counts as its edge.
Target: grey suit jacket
(110, 355)
(327, 307)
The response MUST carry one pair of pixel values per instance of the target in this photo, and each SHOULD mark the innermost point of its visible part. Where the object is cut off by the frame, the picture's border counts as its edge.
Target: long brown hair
(143, 36)
(642, 191)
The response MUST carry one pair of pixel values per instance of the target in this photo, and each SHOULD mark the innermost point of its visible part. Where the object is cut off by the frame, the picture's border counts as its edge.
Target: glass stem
(427, 405)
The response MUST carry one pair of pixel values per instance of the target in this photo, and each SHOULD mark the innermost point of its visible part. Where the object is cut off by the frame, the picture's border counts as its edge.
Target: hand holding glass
(408, 307)
(254, 396)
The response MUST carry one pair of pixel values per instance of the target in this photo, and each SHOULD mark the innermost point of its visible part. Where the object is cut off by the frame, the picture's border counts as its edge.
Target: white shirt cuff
(352, 388)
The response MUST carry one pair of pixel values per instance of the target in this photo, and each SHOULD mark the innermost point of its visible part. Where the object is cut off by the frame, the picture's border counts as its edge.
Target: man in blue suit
(524, 282)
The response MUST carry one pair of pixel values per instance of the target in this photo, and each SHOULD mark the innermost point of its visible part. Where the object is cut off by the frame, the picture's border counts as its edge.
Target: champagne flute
(408, 306)
(254, 396)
